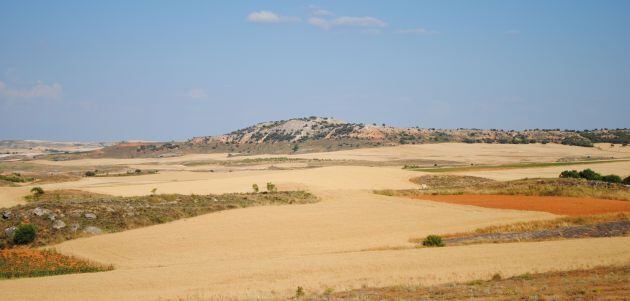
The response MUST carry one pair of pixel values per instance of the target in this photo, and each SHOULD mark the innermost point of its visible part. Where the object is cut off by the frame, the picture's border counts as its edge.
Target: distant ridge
(299, 130)
(318, 134)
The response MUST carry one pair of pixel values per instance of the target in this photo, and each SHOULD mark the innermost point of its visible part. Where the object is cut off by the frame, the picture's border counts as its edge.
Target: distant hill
(301, 130)
(313, 134)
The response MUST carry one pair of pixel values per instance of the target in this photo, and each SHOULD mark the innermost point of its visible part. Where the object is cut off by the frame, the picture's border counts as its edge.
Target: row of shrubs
(591, 175)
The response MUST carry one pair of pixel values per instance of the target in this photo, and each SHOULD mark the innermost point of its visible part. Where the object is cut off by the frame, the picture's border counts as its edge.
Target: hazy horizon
(161, 71)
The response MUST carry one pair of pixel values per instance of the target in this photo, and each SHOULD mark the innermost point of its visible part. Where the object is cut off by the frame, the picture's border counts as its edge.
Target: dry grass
(601, 283)
(452, 185)
(79, 210)
(540, 225)
(24, 262)
(551, 224)
(508, 166)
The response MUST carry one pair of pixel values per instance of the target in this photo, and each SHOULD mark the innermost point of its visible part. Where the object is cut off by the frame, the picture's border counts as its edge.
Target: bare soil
(572, 206)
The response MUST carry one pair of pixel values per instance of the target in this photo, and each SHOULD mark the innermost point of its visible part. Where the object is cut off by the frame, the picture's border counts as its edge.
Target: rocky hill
(301, 130)
(317, 134)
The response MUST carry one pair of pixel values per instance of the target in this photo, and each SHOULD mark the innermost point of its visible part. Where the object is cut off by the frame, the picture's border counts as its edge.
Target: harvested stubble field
(349, 239)
(601, 283)
(64, 215)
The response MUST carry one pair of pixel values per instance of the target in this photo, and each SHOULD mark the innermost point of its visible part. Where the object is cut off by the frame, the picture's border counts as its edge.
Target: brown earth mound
(572, 206)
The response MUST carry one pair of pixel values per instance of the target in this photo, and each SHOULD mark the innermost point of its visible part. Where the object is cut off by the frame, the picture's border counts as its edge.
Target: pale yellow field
(476, 153)
(269, 251)
(621, 168)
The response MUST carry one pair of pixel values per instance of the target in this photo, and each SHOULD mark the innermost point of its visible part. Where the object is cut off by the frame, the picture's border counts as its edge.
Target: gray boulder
(58, 224)
(92, 230)
(9, 231)
(41, 211)
(90, 216)
(7, 215)
(74, 227)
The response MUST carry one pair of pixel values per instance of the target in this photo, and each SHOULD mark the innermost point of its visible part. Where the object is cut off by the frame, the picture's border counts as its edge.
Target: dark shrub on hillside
(90, 173)
(24, 234)
(626, 180)
(589, 174)
(433, 241)
(570, 174)
(37, 191)
(612, 178)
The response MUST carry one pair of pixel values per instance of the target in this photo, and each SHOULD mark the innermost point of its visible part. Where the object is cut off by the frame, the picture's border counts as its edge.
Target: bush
(37, 191)
(626, 180)
(612, 178)
(271, 187)
(299, 292)
(24, 234)
(90, 173)
(574, 174)
(255, 188)
(433, 241)
(589, 174)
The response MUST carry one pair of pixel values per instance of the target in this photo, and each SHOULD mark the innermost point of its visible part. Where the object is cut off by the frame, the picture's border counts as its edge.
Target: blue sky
(164, 70)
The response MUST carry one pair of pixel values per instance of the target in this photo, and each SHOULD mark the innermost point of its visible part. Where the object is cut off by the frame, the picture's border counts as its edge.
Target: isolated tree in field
(255, 187)
(295, 148)
(271, 187)
(37, 191)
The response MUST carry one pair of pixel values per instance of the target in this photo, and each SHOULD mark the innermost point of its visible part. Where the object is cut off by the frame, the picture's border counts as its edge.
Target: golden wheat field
(351, 238)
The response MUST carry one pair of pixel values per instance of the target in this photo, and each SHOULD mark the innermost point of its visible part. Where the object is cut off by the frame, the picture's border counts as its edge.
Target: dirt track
(553, 204)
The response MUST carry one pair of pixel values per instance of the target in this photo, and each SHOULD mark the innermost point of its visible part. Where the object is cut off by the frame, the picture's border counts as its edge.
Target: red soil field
(571, 206)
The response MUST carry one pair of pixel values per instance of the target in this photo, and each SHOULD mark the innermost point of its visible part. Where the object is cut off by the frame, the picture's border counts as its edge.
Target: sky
(171, 70)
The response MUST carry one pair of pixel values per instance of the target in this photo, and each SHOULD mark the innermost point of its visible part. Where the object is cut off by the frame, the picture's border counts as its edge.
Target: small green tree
(255, 187)
(24, 234)
(299, 292)
(589, 174)
(612, 178)
(295, 148)
(574, 174)
(433, 241)
(37, 191)
(626, 180)
(90, 173)
(271, 187)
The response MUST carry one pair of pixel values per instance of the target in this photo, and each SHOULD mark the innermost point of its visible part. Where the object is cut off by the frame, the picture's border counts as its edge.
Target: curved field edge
(64, 215)
(454, 185)
(604, 282)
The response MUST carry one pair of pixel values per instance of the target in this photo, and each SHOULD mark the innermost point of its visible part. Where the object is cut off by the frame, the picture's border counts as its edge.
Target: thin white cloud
(415, 31)
(369, 22)
(39, 90)
(269, 17)
(321, 12)
(319, 22)
(359, 22)
(197, 93)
